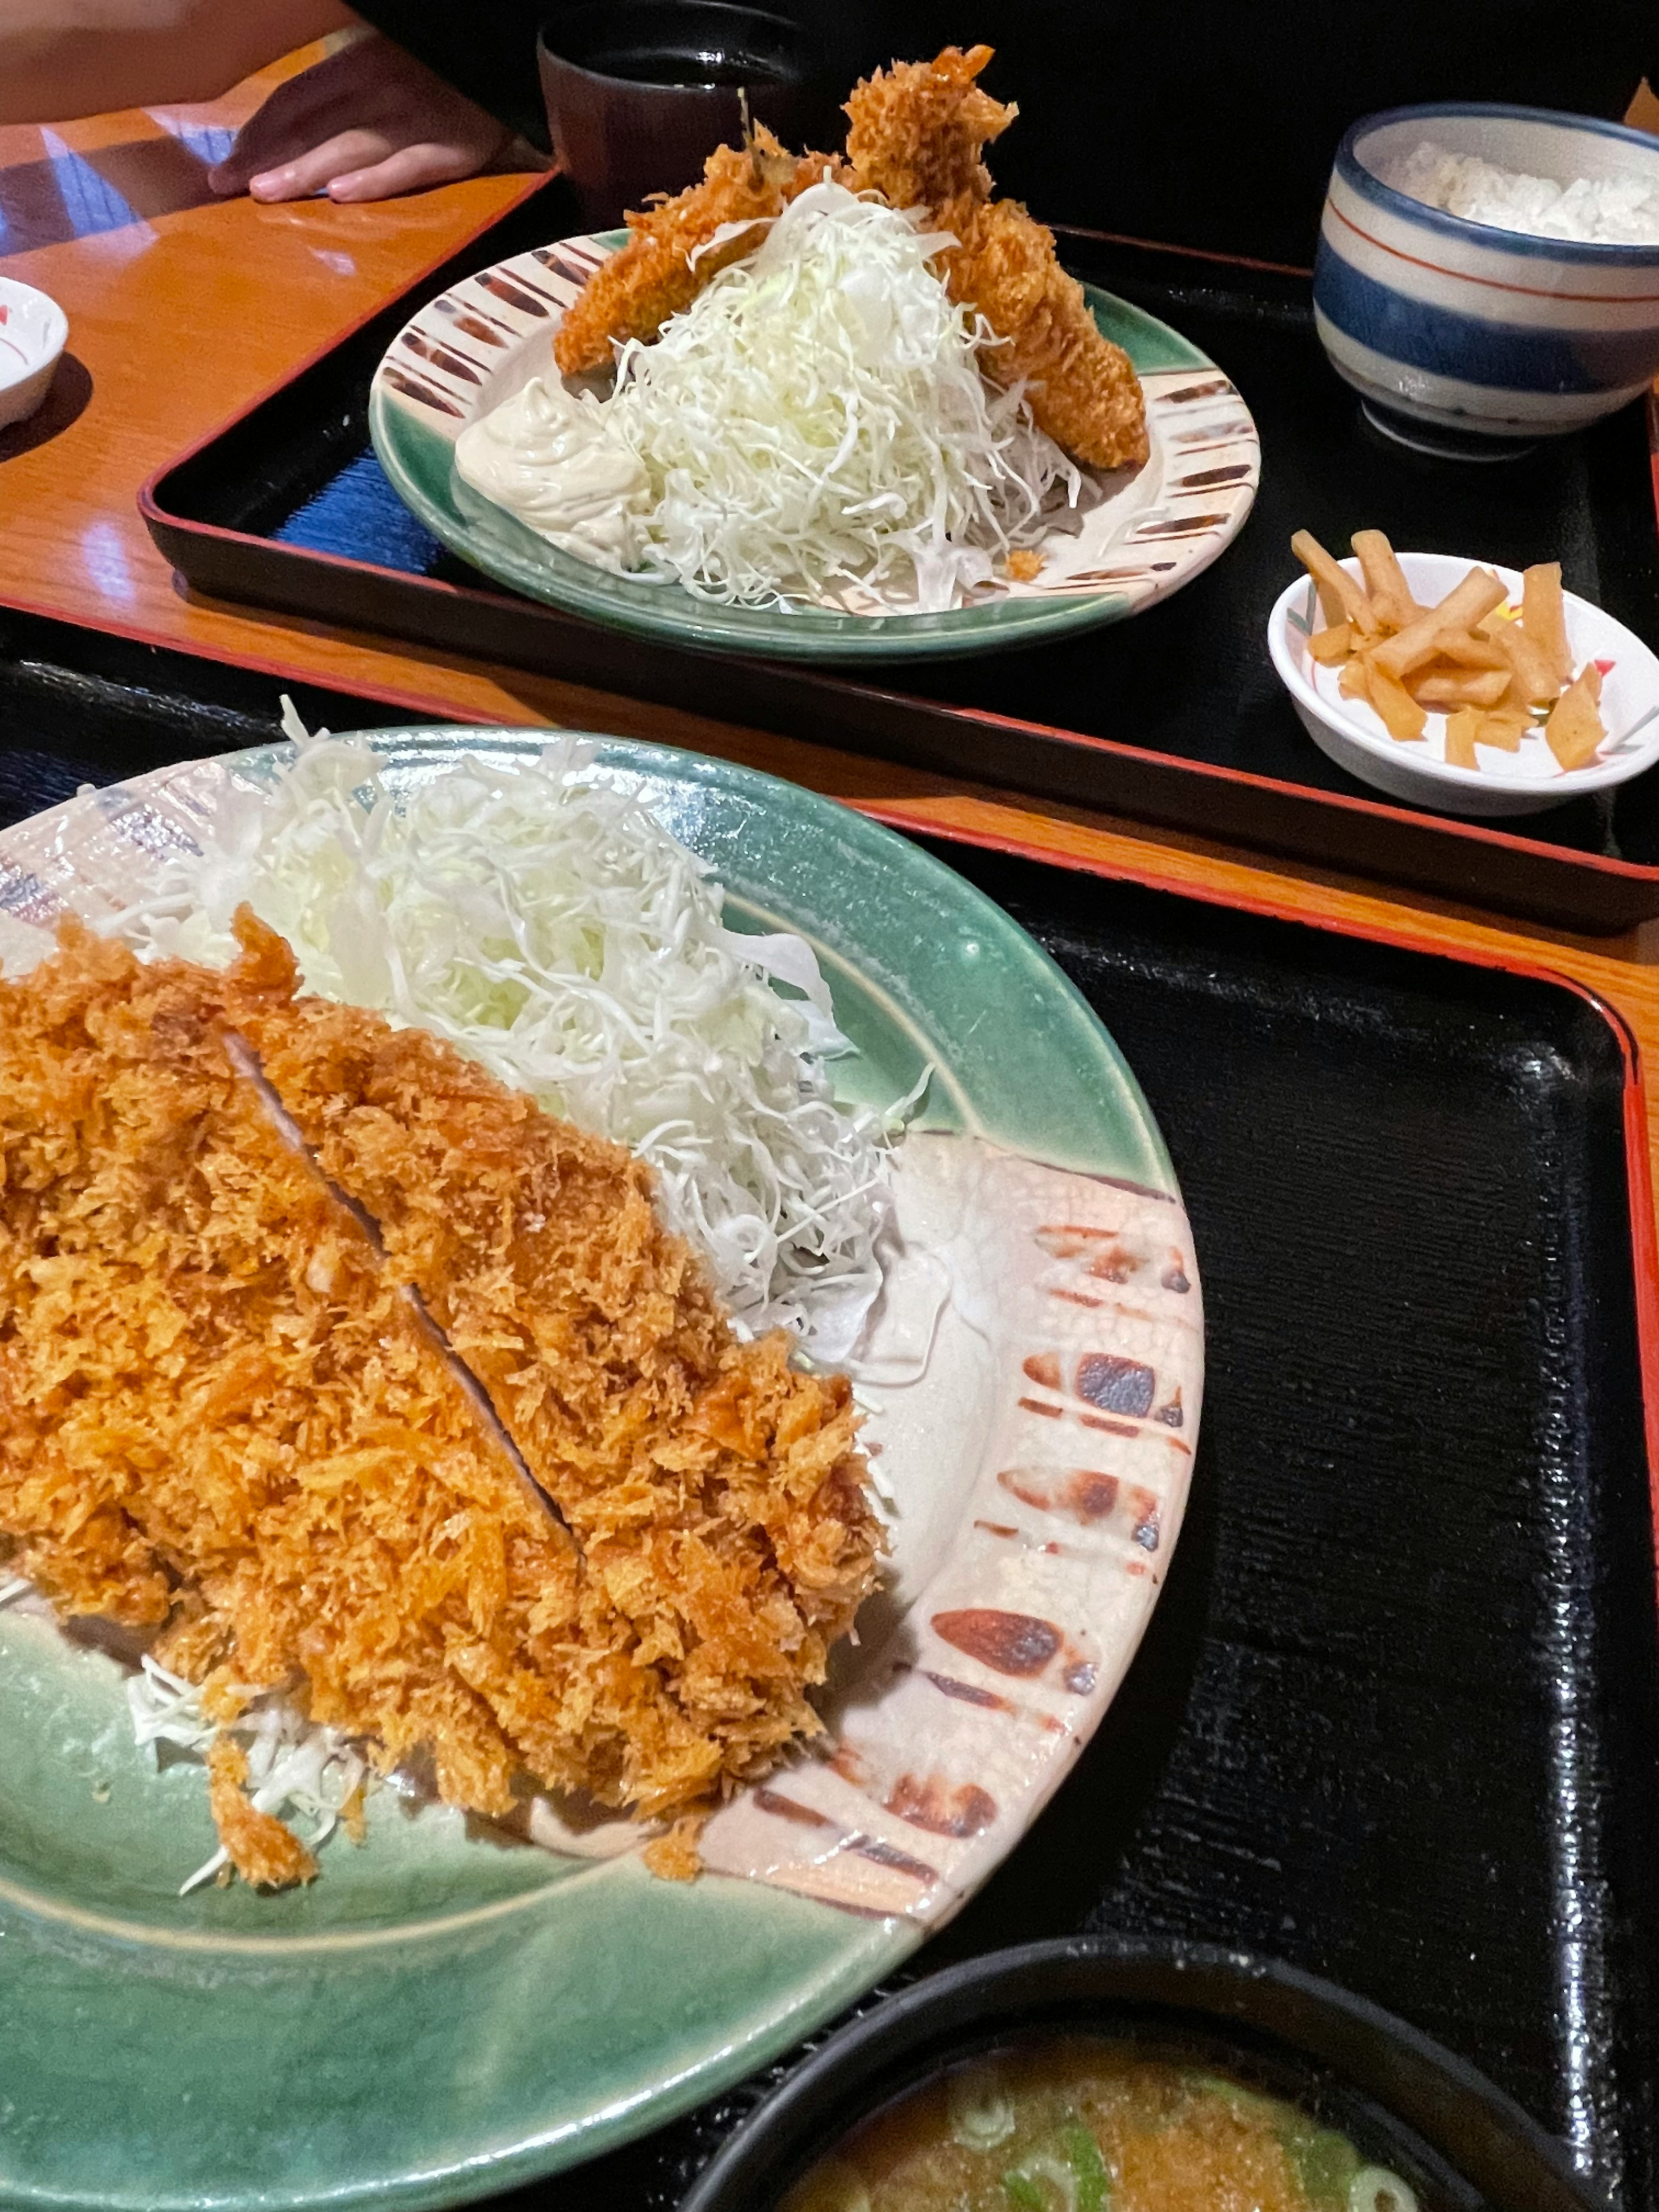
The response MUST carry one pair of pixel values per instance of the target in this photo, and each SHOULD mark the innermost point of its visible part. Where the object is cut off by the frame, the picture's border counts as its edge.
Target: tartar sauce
(551, 456)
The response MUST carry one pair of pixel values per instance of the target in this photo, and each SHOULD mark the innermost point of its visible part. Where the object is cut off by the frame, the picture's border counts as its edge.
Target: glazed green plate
(447, 2012)
(1153, 530)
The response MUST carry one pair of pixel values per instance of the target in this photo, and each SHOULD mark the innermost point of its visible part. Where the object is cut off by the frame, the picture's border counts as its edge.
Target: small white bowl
(1527, 782)
(34, 332)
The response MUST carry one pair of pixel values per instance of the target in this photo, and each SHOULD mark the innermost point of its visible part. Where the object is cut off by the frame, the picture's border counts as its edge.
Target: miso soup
(1077, 2124)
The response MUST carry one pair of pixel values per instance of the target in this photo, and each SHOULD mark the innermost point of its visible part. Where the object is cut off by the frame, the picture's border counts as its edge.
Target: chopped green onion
(1326, 2163)
(981, 2114)
(1094, 2181)
(1080, 2181)
(1023, 2192)
(1375, 2188)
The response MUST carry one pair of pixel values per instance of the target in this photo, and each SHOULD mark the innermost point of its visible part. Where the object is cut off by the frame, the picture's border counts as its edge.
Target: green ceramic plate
(478, 343)
(446, 2013)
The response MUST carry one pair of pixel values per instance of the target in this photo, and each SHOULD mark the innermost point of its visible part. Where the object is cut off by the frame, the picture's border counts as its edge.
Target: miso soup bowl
(1461, 327)
(1459, 2141)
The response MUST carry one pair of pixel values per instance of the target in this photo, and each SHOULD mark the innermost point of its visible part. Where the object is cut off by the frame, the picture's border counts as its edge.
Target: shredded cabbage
(538, 917)
(293, 1764)
(816, 420)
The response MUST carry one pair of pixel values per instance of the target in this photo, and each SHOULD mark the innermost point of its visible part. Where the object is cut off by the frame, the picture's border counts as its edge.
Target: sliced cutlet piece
(716, 1493)
(222, 1415)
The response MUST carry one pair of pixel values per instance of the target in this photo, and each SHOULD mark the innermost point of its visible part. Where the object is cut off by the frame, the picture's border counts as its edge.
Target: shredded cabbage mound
(542, 920)
(816, 420)
(293, 1764)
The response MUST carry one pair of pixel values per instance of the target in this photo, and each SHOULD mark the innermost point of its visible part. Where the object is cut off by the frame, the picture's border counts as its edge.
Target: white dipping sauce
(1619, 210)
(551, 459)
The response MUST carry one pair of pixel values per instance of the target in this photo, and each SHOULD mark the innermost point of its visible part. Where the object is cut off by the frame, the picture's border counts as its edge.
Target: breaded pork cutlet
(713, 1490)
(916, 134)
(221, 1416)
(633, 294)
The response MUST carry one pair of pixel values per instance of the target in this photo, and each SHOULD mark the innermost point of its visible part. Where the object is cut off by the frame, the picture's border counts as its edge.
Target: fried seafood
(222, 1415)
(632, 294)
(1083, 389)
(916, 132)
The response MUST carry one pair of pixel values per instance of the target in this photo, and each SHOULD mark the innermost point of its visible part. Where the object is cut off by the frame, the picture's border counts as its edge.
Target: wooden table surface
(182, 309)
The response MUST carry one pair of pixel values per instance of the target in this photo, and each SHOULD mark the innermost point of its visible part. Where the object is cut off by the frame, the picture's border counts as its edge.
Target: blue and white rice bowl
(1468, 328)
(1528, 780)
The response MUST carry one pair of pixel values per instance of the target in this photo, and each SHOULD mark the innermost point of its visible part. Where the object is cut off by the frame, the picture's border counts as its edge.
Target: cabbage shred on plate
(537, 917)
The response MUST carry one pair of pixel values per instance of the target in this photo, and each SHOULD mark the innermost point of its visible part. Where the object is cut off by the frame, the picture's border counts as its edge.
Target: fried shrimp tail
(655, 275)
(917, 134)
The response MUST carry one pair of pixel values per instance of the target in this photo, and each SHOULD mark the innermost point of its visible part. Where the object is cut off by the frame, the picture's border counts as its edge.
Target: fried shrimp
(633, 294)
(1083, 389)
(916, 134)
(224, 1416)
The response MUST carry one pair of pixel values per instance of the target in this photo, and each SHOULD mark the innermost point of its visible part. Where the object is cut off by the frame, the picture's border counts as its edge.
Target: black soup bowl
(638, 92)
(1406, 2102)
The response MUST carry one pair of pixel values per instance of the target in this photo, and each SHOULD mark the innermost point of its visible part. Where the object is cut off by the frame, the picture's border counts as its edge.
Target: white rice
(1617, 210)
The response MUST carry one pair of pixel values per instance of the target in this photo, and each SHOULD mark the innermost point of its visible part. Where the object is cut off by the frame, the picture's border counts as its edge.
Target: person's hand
(364, 123)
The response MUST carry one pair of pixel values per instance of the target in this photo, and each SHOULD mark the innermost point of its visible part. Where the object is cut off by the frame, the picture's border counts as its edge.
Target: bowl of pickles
(1459, 685)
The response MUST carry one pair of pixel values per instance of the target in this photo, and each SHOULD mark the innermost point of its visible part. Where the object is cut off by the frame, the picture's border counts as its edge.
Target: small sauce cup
(34, 332)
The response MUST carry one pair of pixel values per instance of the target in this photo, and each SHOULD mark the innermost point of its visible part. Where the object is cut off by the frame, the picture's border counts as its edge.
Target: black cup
(640, 93)
(1402, 2098)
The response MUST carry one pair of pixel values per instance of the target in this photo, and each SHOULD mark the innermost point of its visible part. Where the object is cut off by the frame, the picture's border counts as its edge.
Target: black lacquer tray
(1176, 717)
(1396, 1719)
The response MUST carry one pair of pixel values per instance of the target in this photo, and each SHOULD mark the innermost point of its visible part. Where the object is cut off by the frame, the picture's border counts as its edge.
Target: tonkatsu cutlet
(711, 1486)
(222, 1419)
(221, 1416)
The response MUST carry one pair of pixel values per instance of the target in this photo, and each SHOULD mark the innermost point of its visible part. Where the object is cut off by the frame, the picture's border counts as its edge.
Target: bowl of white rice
(1488, 275)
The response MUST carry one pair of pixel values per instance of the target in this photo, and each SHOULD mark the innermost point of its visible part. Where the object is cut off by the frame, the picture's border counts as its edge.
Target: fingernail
(267, 184)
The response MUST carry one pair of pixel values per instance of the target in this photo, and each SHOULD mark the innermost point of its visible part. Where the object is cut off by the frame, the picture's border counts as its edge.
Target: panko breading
(267, 1855)
(711, 1488)
(1083, 389)
(632, 294)
(216, 1412)
(221, 1411)
(916, 132)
